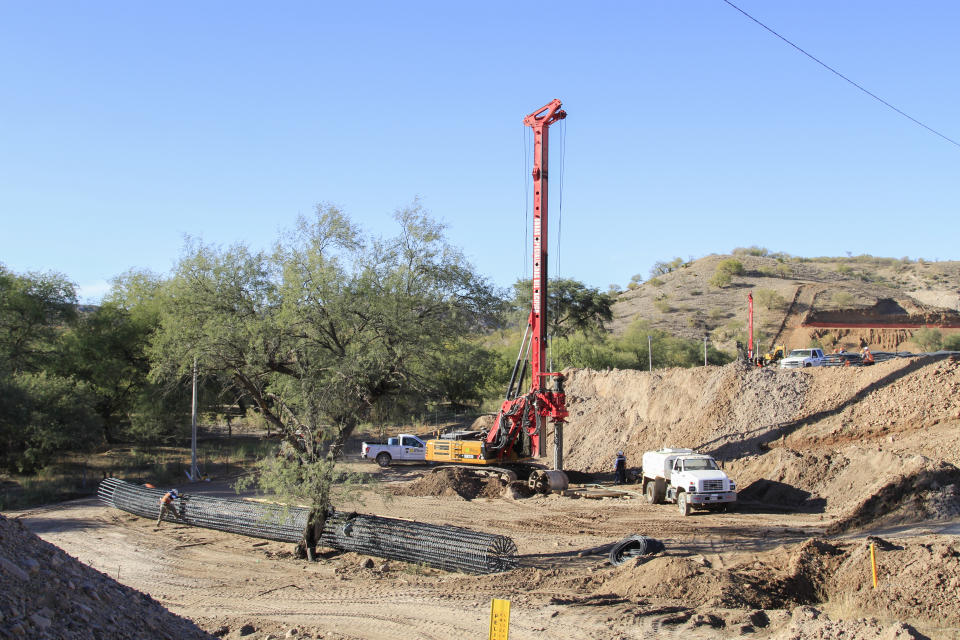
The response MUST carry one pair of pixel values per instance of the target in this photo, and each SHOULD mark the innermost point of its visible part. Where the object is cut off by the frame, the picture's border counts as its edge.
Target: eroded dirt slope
(861, 443)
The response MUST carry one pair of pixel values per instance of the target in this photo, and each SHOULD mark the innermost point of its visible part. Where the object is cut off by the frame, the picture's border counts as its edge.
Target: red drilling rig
(518, 432)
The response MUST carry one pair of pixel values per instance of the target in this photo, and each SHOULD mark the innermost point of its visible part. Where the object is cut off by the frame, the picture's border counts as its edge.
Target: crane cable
(832, 70)
(563, 157)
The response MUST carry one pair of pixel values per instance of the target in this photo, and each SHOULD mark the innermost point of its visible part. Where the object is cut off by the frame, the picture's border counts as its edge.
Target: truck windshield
(801, 353)
(699, 464)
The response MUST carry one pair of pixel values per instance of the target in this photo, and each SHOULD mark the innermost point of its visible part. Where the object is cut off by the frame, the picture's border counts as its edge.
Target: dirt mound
(823, 439)
(917, 580)
(453, 483)
(752, 584)
(932, 493)
(47, 593)
(809, 623)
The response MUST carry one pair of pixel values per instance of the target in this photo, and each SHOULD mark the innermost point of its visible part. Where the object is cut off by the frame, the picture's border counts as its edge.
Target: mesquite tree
(330, 324)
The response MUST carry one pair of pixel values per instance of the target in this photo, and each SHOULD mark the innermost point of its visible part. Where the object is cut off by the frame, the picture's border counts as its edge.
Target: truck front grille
(713, 485)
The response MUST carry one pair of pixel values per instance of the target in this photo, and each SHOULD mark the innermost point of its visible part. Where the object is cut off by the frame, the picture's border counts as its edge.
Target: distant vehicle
(405, 447)
(773, 356)
(687, 478)
(803, 358)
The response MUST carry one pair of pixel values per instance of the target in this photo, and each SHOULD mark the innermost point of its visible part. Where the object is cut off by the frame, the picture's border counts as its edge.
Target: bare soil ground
(824, 458)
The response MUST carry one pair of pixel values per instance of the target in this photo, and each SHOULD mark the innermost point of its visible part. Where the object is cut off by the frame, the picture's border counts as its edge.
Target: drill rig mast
(518, 432)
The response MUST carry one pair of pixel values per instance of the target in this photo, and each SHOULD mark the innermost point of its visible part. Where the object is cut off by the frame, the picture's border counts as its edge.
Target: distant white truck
(404, 447)
(687, 478)
(799, 358)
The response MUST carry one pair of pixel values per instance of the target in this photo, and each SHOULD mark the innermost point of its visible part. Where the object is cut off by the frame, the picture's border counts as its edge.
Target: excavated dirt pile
(453, 483)
(863, 444)
(918, 580)
(48, 594)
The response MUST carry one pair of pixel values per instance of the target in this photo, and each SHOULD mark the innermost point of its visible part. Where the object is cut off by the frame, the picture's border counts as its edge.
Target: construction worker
(865, 356)
(620, 468)
(166, 504)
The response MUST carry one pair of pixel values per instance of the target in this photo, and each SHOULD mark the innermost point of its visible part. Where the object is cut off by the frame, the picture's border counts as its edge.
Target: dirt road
(564, 587)
(836, 451)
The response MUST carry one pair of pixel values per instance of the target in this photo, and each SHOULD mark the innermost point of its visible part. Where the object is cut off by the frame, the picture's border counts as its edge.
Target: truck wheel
(649, 491)
(807, 364)
(659, 490)
(683, 503)
(383, 459)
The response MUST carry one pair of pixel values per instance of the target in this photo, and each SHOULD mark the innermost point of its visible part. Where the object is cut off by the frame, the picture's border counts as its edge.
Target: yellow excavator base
(461, 452)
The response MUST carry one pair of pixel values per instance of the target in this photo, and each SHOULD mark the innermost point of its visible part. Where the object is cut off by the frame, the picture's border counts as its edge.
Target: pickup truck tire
(807, 364)
(683, 504)
(383, 459)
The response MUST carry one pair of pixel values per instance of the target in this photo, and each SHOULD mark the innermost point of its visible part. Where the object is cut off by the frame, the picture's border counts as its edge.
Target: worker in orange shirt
(167, 504)
(866, 357)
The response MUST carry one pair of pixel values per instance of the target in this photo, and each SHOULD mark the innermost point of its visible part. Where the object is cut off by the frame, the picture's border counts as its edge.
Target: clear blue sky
(125, 126)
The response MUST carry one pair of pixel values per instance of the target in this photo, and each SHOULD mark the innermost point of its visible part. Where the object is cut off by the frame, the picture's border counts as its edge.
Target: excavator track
(506, 475)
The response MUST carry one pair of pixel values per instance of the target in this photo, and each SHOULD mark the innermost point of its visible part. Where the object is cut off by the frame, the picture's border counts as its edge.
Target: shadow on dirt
(771, 496)
(769, 433)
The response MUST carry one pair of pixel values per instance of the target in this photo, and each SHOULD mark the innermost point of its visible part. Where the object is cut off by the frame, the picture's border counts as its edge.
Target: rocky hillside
(686, 300)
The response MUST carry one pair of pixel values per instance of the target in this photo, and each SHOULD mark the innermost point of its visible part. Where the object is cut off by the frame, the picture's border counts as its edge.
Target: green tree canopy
(572, 306)
(331, 324)
(34, 310)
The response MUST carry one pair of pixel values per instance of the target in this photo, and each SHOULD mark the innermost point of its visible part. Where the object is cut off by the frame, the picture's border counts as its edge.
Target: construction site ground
(826, 462)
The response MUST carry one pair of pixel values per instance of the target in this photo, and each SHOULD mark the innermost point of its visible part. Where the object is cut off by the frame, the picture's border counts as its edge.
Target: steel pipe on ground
(443, 547)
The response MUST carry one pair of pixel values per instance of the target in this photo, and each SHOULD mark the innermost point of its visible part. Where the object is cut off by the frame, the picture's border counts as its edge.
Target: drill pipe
(443, 547)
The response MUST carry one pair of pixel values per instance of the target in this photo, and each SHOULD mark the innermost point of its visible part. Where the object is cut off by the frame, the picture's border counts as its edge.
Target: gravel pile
(45, 593)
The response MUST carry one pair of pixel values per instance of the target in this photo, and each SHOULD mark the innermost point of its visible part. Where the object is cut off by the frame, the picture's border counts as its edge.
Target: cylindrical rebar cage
(443, 547)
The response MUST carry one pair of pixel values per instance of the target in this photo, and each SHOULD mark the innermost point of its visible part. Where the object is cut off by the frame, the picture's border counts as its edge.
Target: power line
(831, 69)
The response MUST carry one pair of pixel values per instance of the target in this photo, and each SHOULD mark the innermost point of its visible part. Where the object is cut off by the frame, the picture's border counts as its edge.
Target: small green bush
(657, 282)
(662, 306)
(951, 342)
(842, 298)
(732, 266)
(752, 250)
(770, 299)
(928, 339)
(720, 279)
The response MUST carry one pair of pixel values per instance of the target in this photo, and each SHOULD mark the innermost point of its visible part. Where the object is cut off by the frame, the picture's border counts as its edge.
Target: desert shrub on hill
(770, 299)
(630, 351)
(725, 272)
(842, 298)
(752, 250)
(951, 342)
(928, 339)
(661, 267)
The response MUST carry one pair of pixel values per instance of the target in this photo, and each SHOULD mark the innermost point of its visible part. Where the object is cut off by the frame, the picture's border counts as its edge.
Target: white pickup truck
(687, 478)
(405, 447)
(803, 358)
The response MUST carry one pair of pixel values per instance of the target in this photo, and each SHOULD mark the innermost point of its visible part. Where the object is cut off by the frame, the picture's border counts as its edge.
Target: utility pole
(650, 352)
(704, 350)
(194, 476)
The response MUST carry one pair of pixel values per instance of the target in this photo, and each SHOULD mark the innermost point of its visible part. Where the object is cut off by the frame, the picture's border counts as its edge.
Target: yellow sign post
(499, 619)
(873, 562)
